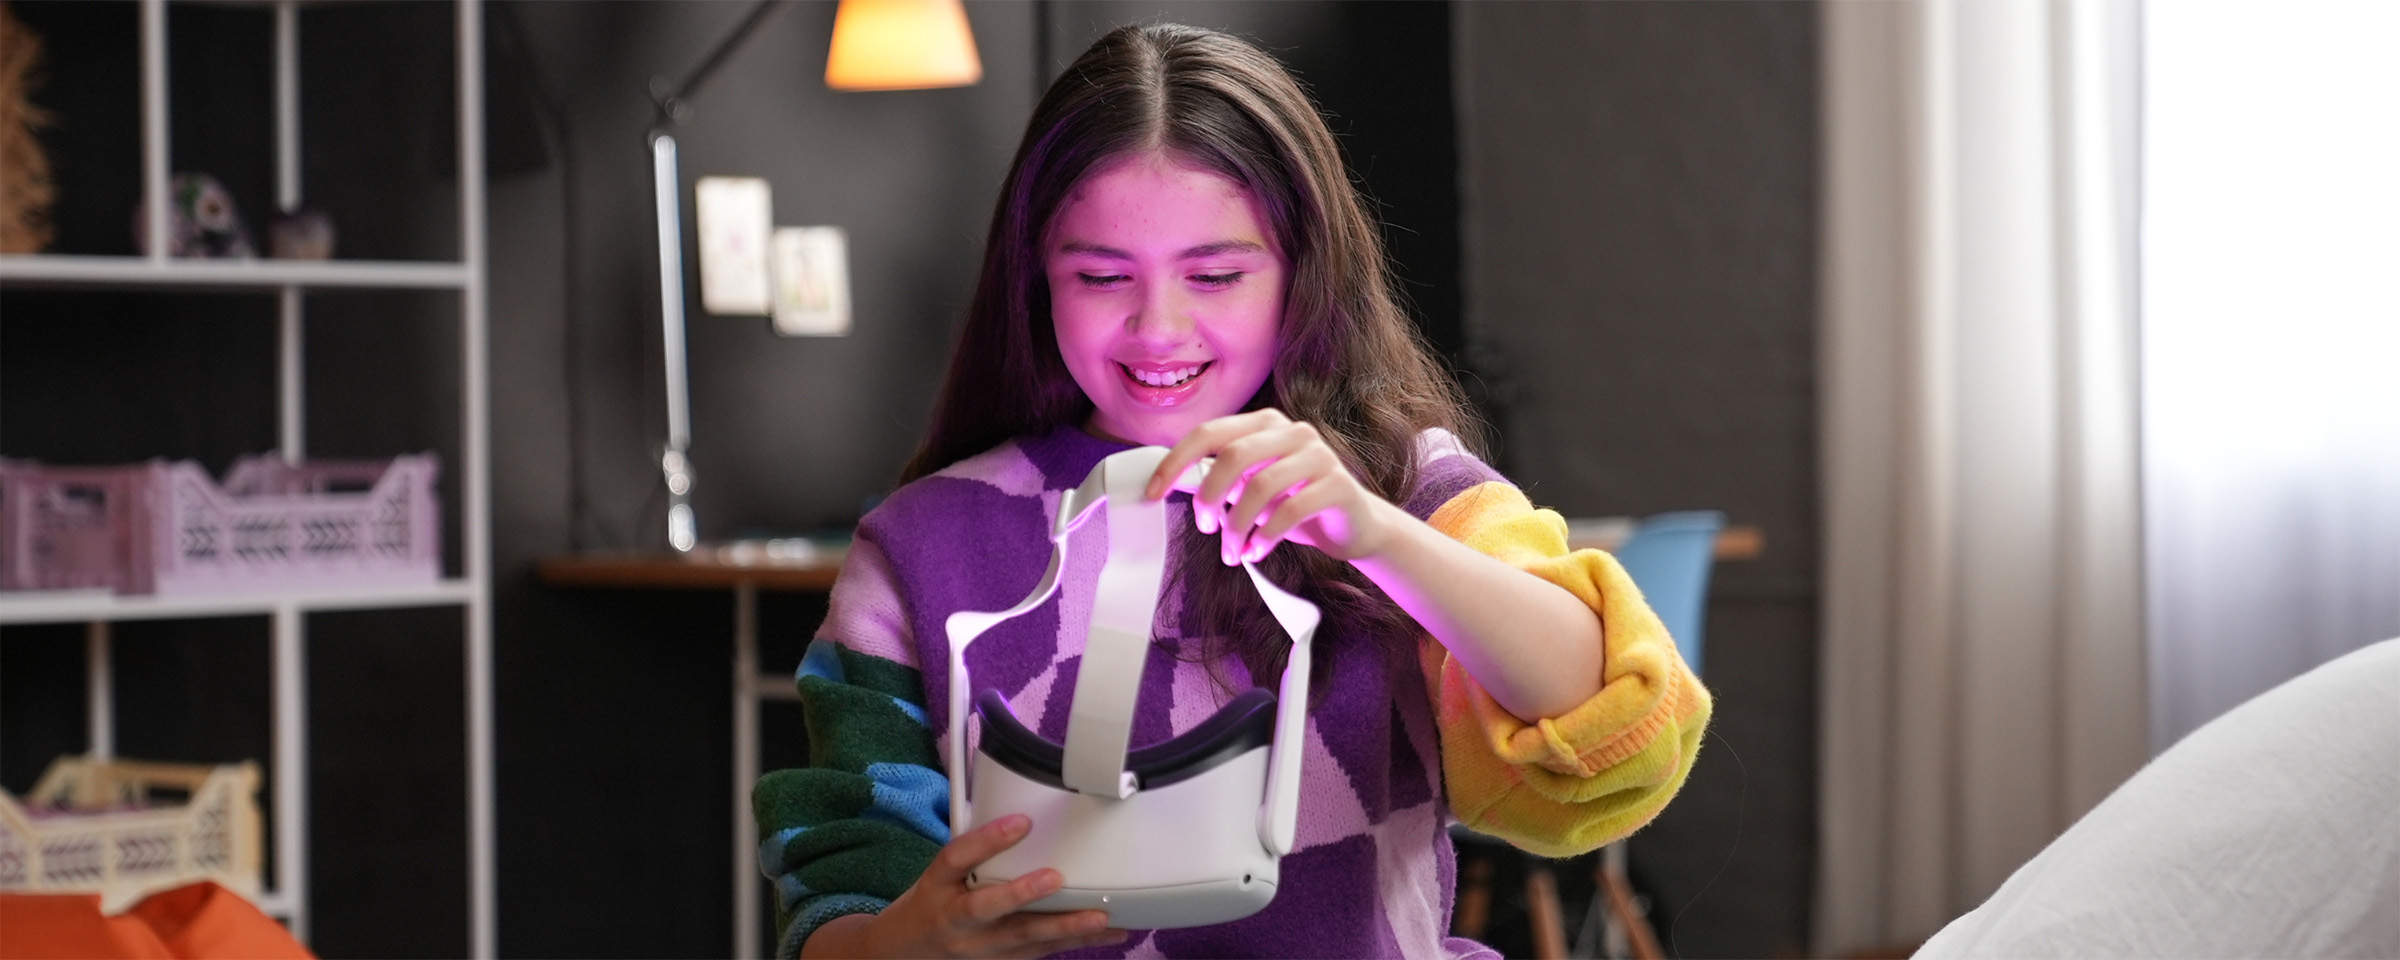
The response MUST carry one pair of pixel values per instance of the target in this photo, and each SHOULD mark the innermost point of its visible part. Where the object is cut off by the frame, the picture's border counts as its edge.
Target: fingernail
(1204, 519)
(1015, 823)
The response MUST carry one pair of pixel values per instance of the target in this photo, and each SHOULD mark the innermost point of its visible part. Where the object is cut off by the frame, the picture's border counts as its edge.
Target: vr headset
(1184, 833)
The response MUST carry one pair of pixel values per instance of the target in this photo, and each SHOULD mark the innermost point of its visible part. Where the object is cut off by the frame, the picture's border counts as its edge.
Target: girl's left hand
(1276, 479)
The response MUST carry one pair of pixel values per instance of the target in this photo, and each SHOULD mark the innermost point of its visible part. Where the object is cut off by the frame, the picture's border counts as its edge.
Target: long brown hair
(1348, 359)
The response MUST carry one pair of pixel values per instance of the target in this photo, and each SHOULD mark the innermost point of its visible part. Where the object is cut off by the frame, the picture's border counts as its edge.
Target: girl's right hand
(940, 916)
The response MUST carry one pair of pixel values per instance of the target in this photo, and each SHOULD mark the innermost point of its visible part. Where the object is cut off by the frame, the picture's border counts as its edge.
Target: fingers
(1310, 467)
(1042, 934)
(972, 848)
(987, 904)
(1209, 515)
(1106, 938)
(1316, 501)
(1204, 440)
(1239, 457)
(1267, 465)
(956, 920)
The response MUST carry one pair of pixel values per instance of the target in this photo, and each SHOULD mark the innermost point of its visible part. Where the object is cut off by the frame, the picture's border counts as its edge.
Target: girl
(1179, 258)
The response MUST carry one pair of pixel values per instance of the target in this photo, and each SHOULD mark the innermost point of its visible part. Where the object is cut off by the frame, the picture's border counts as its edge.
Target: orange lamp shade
(901, 45)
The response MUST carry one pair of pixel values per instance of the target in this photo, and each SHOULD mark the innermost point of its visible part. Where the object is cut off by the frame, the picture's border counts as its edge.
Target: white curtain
(2271, 344)
(1982, 651)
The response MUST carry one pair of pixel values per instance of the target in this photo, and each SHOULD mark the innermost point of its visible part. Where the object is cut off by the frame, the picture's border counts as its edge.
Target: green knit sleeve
(852, 830)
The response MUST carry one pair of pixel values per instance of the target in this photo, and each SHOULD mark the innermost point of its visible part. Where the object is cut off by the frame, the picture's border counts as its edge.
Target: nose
(1163, 317)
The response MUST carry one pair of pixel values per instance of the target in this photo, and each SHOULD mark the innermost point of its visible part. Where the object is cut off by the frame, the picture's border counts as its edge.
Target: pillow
(2273, 831)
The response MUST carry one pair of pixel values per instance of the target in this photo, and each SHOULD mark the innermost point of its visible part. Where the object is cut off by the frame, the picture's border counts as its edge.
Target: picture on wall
(812, 282)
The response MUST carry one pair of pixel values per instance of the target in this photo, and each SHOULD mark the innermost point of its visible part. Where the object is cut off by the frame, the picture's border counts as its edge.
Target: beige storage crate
(128, 828)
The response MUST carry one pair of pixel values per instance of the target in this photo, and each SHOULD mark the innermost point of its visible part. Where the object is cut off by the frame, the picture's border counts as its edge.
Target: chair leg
(1474, 898)
(1628, 917)
(1543, 913)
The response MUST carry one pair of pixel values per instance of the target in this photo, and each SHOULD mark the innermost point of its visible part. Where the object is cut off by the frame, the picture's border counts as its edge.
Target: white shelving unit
(471, 591)
(119, 272)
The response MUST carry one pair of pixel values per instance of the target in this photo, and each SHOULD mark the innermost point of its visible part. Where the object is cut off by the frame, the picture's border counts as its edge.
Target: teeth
(1167, 378)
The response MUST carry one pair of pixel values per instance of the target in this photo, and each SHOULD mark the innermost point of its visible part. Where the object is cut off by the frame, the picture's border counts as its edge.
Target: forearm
(840, 937)
(1533, 646)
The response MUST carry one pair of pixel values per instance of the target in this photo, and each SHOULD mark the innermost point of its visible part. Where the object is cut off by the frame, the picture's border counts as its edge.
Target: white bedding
(2273, 831)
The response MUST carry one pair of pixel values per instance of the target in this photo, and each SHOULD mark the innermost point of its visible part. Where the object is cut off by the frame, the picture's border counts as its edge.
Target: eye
(1102, 281)
(1217, 281)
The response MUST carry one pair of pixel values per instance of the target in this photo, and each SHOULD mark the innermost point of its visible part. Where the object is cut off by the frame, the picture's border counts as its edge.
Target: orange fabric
(60, 926)
(199, 921)
(203, 920)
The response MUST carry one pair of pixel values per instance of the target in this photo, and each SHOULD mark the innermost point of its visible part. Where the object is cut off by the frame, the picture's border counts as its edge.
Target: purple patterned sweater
(1372, 872)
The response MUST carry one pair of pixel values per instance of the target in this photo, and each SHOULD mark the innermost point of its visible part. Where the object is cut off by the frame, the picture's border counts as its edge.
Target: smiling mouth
(1166, 379)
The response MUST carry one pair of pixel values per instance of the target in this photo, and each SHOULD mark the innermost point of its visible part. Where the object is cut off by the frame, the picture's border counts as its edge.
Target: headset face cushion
(1238, 727)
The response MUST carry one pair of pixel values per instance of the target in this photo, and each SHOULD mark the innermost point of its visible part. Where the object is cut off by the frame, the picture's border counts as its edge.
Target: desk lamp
(877, 45)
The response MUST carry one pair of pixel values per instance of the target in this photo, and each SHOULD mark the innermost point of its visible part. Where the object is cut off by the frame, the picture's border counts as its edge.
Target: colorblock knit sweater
(1397, 747)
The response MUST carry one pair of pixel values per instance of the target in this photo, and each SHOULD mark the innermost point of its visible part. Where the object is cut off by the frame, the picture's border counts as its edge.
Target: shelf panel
(73, 606)
(775, 686)
(59, 270)
(273, 903)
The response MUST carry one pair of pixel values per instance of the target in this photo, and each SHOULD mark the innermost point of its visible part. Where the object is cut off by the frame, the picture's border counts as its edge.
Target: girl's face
(1166, 291)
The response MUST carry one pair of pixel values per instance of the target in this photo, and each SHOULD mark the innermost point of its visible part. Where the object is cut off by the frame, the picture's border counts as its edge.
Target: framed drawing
(812, 282)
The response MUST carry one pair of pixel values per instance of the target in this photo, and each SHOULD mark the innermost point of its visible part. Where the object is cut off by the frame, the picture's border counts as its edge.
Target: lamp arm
(674, 462)
(674, 105)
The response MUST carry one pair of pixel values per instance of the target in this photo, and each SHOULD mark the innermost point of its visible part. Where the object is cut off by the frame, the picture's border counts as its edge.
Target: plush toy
(201, 223)
(303, 234)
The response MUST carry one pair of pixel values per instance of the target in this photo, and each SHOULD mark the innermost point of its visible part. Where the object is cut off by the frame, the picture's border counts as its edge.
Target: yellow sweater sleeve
(1572, 783)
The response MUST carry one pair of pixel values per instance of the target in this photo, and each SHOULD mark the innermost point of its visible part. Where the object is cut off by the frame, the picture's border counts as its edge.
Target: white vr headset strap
(1074, 507)
(1279, 817)
(963, 627)
(1100, 719)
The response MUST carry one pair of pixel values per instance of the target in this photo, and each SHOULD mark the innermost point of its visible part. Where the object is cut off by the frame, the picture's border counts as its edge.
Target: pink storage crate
(76, 528)
(271, 526)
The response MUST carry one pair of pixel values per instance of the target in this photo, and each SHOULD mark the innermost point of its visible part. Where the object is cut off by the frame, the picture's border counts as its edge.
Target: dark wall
(1639, 228)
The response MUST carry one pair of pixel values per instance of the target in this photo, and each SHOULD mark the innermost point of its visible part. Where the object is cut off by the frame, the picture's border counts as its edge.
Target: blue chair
(1669, 556)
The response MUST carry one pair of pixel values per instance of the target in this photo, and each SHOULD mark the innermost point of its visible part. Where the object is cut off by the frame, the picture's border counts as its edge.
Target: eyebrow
(1203, 250)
